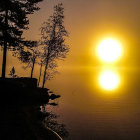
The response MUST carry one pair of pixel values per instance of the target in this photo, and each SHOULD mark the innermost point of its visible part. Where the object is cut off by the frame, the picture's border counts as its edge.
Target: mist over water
(91, 112)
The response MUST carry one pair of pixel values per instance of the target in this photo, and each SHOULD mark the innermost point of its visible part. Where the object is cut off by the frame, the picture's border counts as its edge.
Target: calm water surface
(92, 113)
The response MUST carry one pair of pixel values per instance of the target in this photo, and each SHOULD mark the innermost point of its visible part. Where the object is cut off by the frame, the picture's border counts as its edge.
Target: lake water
(92, 113)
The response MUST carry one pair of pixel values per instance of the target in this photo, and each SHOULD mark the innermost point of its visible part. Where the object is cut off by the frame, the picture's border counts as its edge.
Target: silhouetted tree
(30, 55)
(40, 72)
(35, 53)
(53, 39)
(12, 73)
(51, 70)
(13, 20)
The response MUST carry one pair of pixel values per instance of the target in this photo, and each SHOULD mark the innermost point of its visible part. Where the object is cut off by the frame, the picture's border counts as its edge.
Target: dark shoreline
(21, 117)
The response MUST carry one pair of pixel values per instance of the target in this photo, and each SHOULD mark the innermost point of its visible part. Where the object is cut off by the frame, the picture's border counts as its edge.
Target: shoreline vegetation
(21, 97)
(21, 117)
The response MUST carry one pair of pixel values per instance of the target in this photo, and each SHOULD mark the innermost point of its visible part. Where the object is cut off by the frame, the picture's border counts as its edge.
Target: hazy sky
(88, 22)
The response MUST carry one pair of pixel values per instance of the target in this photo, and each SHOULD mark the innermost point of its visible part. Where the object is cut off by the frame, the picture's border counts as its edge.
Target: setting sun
(109, 80)
(109, 50)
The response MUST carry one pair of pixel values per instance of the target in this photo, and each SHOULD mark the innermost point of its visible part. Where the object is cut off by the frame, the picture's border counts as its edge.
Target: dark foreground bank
(21, 118)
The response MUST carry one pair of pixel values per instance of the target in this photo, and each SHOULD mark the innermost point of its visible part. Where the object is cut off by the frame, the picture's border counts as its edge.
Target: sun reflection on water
(109, 80)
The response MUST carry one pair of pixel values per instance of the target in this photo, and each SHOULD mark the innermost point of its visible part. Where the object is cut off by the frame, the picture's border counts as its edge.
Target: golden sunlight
(109, 80)
(109, 50)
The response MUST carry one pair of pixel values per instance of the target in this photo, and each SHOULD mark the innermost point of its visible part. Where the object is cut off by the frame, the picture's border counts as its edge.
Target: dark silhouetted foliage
(50, 122)
(13, 21)
(53, 40)
(12, 73)
(32, 53)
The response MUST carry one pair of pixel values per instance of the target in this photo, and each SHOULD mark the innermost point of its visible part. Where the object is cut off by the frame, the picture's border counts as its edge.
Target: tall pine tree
(53, 38)
(13, 21)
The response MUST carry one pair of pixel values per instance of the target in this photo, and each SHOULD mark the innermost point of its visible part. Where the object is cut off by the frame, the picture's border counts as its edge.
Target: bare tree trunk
(45, 71)
(40, 74)
(33, 67)
(5, 46)
(44, 77)
(4, 59)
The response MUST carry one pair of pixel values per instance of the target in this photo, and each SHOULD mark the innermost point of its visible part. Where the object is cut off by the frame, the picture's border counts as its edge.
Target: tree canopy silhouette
(13, 20)
(53, 39)
(29, 55)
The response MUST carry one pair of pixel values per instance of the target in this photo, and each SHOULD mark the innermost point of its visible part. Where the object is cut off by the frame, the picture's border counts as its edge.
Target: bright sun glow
(109, 80)
(109, 50)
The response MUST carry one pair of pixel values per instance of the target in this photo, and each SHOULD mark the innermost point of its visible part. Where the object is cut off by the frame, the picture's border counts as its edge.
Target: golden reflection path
(109, 79)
